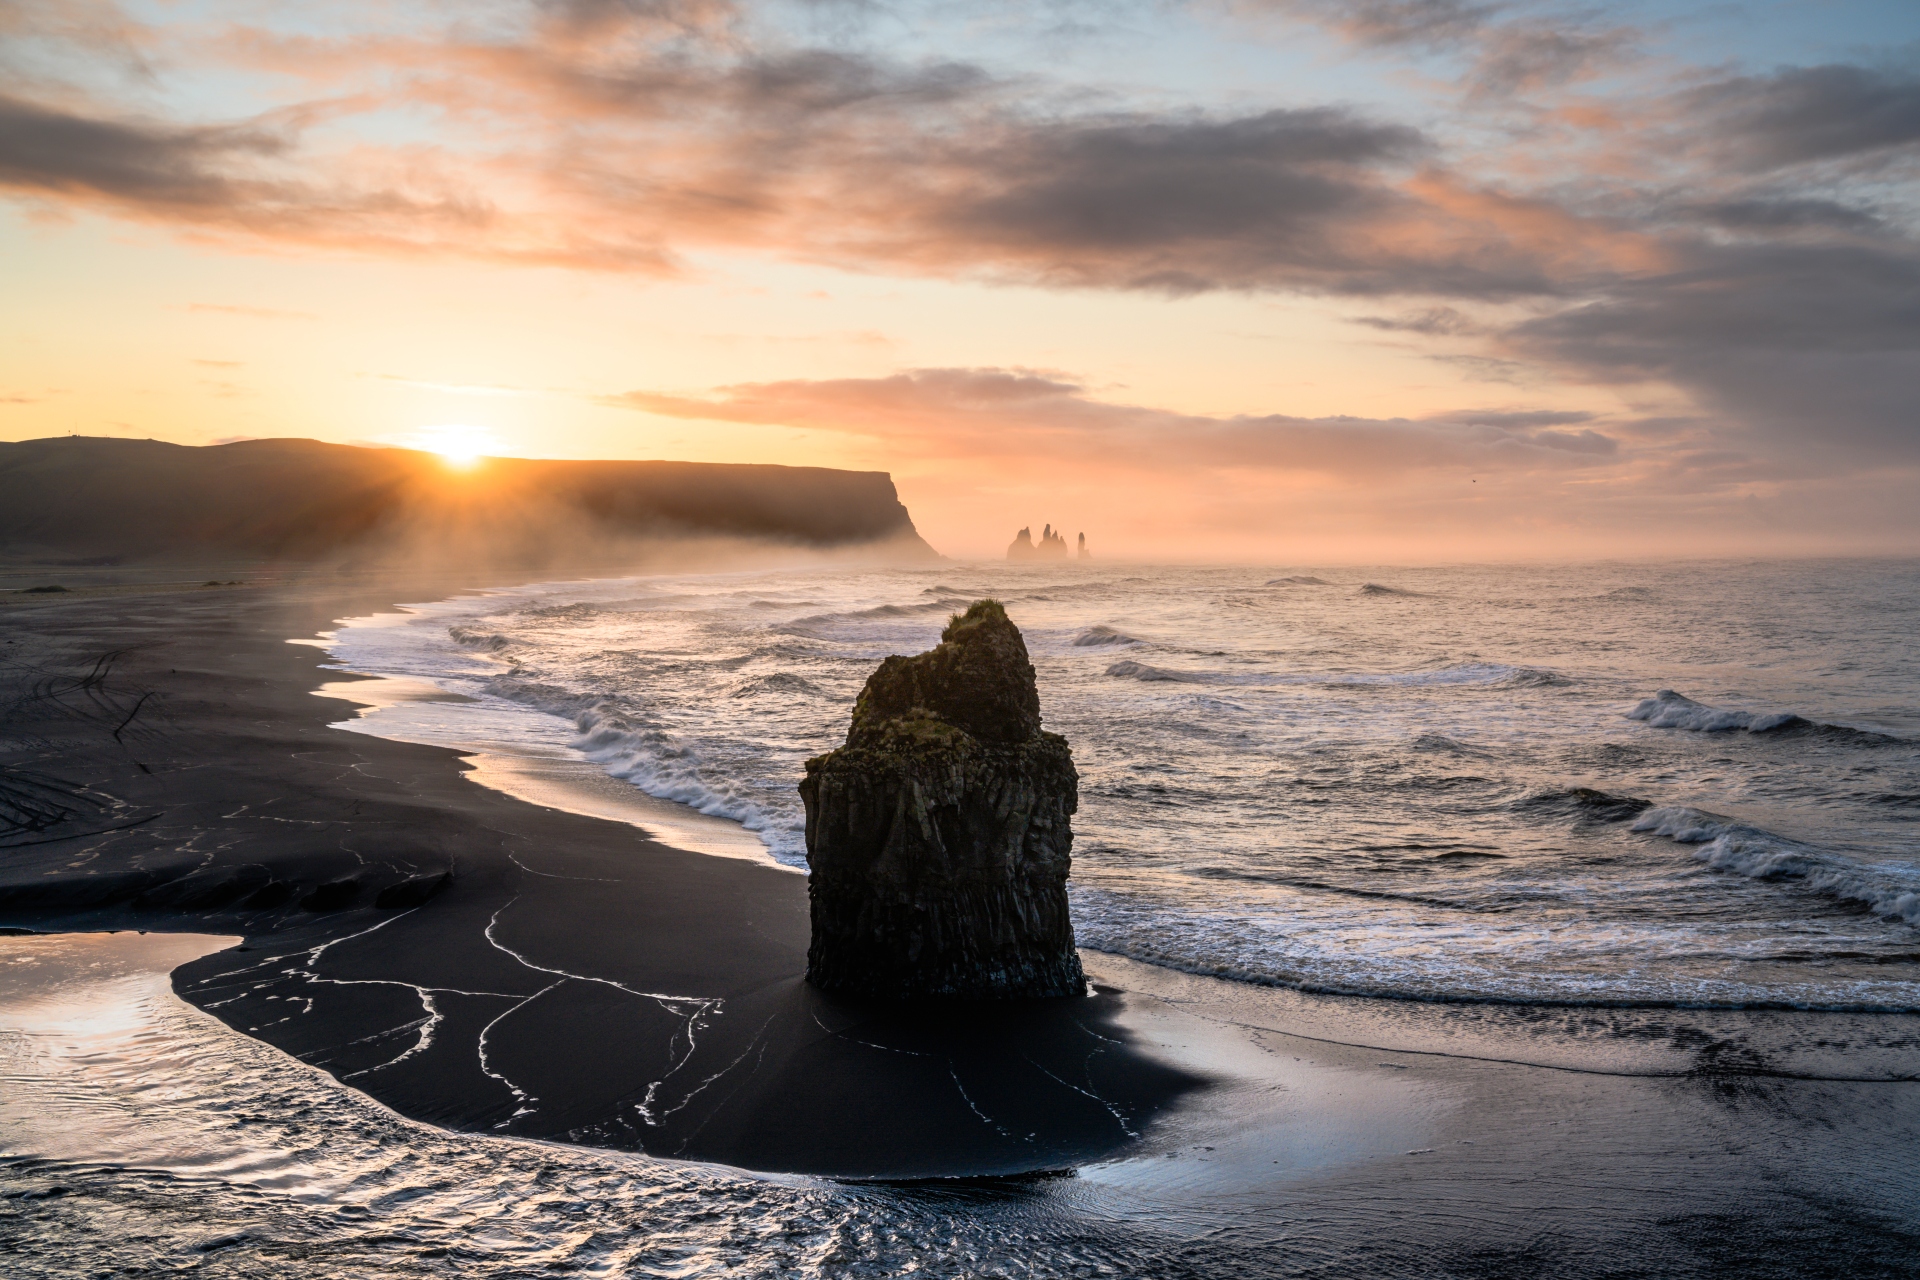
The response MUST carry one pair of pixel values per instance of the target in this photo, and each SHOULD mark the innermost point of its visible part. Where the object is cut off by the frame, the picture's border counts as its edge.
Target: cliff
(940, 835)
(305, 500)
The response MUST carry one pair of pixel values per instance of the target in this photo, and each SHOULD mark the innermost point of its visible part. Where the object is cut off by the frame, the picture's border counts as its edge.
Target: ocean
(1692, 785)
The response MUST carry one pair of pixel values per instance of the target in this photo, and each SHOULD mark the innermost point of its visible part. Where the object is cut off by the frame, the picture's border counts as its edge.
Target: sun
(459, 445)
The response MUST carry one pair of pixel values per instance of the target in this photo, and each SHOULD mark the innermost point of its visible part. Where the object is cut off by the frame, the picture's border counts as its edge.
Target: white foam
(670, 768)
(1465, 673)
(1669, 710)
(1726, 845)
(1096, 636)
(1383, 948)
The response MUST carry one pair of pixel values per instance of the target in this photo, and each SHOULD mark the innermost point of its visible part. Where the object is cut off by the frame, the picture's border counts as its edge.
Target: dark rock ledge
(939, 835)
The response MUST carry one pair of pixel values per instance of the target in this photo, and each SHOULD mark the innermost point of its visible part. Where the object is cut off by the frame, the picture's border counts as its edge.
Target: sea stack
(1052, 546)
(940, 835)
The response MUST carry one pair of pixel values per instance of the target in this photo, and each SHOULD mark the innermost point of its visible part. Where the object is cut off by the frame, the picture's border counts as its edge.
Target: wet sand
(163, 1139)
(574, 979)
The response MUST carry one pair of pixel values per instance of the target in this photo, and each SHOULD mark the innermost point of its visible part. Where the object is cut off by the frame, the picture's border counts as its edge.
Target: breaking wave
(1726, 845)
(663, 764)
(947, 604)
(1294, 950)
(1465, 673)
(779, 682)
(1299, 580)
(1582, 804)
(1132, 670)
(1098, 635)
(1670, 710)
(473, 638)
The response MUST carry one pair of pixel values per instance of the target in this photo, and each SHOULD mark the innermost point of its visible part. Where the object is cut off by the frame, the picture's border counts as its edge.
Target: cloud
(1391, 23)
(1027, 415)
(1520, 419)
(1506, 47)
(160, 166)
(1520, 56)
(248, 179)
(621, 136)
(1762, 213)
(1433, 322)
(1804, 115)
(1814, 348)
(1289, 199)
(1316, 200)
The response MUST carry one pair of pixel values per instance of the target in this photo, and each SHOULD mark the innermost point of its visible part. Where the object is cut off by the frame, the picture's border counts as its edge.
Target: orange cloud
(1020, 415)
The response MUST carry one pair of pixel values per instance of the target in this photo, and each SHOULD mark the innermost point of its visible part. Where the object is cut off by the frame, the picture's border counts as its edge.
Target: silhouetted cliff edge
(308, 501)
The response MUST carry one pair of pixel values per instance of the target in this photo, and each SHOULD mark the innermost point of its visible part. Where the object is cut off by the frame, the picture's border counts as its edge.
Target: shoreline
(1511, 1027)
(562, 779)
(573, 971)
(565, 782)
(436, 938)
(574, 784)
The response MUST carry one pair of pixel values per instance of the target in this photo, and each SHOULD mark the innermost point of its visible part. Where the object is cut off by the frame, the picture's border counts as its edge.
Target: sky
(1283, 281)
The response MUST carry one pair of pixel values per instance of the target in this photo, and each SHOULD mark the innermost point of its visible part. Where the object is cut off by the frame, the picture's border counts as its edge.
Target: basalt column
(939, 835)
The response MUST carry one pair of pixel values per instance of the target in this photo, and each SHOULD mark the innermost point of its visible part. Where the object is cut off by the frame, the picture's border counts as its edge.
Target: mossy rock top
(977, 680)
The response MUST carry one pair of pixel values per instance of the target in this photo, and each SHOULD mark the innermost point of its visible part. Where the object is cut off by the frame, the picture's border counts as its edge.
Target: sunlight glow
(460, 446)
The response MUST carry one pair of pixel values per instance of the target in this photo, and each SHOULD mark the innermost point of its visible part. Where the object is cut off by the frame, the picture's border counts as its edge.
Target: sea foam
(1727, 845)
(1462, 673)
(1669, 710)
(665, 765)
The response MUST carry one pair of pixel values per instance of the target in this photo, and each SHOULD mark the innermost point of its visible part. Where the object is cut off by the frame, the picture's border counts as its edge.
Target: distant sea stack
(1052, 546)
(940, 835)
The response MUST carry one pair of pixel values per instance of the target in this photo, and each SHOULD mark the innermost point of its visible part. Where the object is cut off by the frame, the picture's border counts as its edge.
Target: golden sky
(1274, 280)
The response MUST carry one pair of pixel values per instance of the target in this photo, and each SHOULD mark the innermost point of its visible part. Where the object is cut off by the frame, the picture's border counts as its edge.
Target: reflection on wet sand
(161, 1138)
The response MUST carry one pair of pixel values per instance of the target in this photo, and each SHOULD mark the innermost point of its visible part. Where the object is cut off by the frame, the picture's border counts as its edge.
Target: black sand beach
(485, 964)
(475, 961)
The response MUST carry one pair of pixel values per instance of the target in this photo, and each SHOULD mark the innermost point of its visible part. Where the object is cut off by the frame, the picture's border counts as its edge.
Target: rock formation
(74, 500)
(1084, 553)
(939, 836)
(1052, 546)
